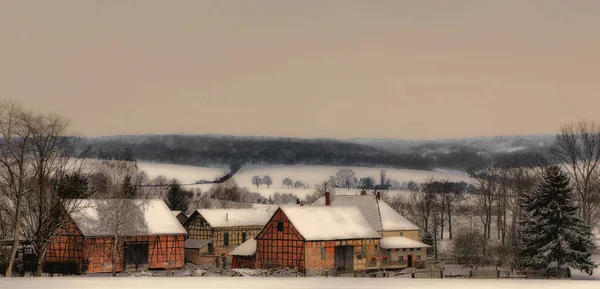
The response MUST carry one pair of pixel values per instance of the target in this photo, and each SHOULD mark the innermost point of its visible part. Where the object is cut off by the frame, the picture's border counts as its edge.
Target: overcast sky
(394, 69)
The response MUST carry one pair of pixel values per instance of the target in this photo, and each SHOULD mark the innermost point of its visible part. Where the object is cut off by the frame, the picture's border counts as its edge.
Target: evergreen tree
(177, 199)
(128, 189)
(551, 231)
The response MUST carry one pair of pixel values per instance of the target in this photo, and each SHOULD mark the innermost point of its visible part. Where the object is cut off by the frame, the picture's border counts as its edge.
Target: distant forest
(225, 151)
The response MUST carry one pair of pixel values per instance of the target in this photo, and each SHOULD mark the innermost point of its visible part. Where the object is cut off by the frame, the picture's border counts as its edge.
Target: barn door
(344, 258)
(135, 256)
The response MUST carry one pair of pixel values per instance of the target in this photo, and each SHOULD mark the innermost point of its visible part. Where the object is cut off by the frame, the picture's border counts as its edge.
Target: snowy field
(288, 283)
(310, 175)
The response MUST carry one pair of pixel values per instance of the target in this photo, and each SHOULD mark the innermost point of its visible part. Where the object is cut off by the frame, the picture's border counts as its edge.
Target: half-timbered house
(84, 243)
(226, 228)
(244, 255)
(316, 239)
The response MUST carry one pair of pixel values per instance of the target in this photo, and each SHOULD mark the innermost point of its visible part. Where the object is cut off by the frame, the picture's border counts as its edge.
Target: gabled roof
(379, 214)
(155, 218)
(175, 213)
(196, 243)
(330, 223)
(219, 218)
(247, 248)
(398, 242)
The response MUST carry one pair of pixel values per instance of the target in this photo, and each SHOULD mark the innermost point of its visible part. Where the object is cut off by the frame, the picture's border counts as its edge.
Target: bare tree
(577, 149)
(50, 152)
(486, 177)
(346, 178)
(267, 181)
(15, 166)
(287, 182)
(120, 218)
(320, 191)
(256, 180)
(423, 204)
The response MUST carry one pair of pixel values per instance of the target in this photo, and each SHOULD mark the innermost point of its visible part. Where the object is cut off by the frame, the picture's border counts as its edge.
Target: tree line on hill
(211, 150)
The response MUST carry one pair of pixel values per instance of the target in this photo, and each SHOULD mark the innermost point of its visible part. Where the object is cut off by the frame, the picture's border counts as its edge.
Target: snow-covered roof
(398, 242)
(219, 218)
(330, 223)
(155, 218)
(379, 214)
(175, 213)
(247, 248)
(392, 221)
(196, 243)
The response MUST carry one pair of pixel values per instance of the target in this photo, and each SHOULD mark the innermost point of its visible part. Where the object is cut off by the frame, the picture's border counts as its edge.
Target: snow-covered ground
(310, 175)
(288, 283)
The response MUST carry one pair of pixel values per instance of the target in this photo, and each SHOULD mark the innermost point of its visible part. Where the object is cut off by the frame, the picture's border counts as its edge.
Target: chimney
(327, 199)
(227, 217)
(378, 196)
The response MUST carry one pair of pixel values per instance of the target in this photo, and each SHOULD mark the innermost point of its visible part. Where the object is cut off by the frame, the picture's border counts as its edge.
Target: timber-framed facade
(72, 252)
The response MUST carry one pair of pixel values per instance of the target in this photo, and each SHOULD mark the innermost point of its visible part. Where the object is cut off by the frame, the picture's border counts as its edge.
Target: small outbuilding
(244, 255)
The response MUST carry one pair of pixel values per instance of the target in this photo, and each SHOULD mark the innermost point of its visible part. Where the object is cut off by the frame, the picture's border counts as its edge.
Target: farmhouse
(316, 239)
(400, 236)
(152, 240)
(221, 230)
(180, 216)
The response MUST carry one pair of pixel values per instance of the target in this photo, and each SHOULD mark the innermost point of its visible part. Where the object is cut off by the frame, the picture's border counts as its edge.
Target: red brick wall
(280, 249)
(164, 252)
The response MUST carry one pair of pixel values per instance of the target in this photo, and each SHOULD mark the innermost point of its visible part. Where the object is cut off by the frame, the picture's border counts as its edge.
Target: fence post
(470, 273)
(441, 273)
(354, 273)
(412, 273)
(327, 273)
(498, 273)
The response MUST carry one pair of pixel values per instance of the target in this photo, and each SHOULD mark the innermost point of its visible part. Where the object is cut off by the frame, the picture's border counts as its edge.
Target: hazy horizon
(410, 70)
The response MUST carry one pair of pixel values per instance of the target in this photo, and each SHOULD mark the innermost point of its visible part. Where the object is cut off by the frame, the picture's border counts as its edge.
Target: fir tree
(177, 199)
(551, 231)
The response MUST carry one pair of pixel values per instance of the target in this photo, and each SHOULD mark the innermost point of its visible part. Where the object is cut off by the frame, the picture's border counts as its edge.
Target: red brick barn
(317, 239)
(83, 244)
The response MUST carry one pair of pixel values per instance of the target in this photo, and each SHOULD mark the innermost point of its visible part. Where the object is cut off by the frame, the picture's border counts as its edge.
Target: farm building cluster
(339, 233)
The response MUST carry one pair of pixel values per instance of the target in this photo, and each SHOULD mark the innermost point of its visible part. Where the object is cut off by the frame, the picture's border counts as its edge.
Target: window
(418, 257)
(401, 234)
(375, 247)
(385, 260)
(400, 258)
(373, 261)
(243, 237)
(225, 239)
(280, 226)
(364, 250)
(210, 249)
(323, 253)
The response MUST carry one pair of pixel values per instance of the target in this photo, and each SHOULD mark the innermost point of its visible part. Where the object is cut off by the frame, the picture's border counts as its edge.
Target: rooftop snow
(367, 205)
(219, 218)
(247, 248)
(330, 223)
(392, 221)
(400, 243)
(175, 213)
(157, 218)
(196, 243)
(379, 214)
